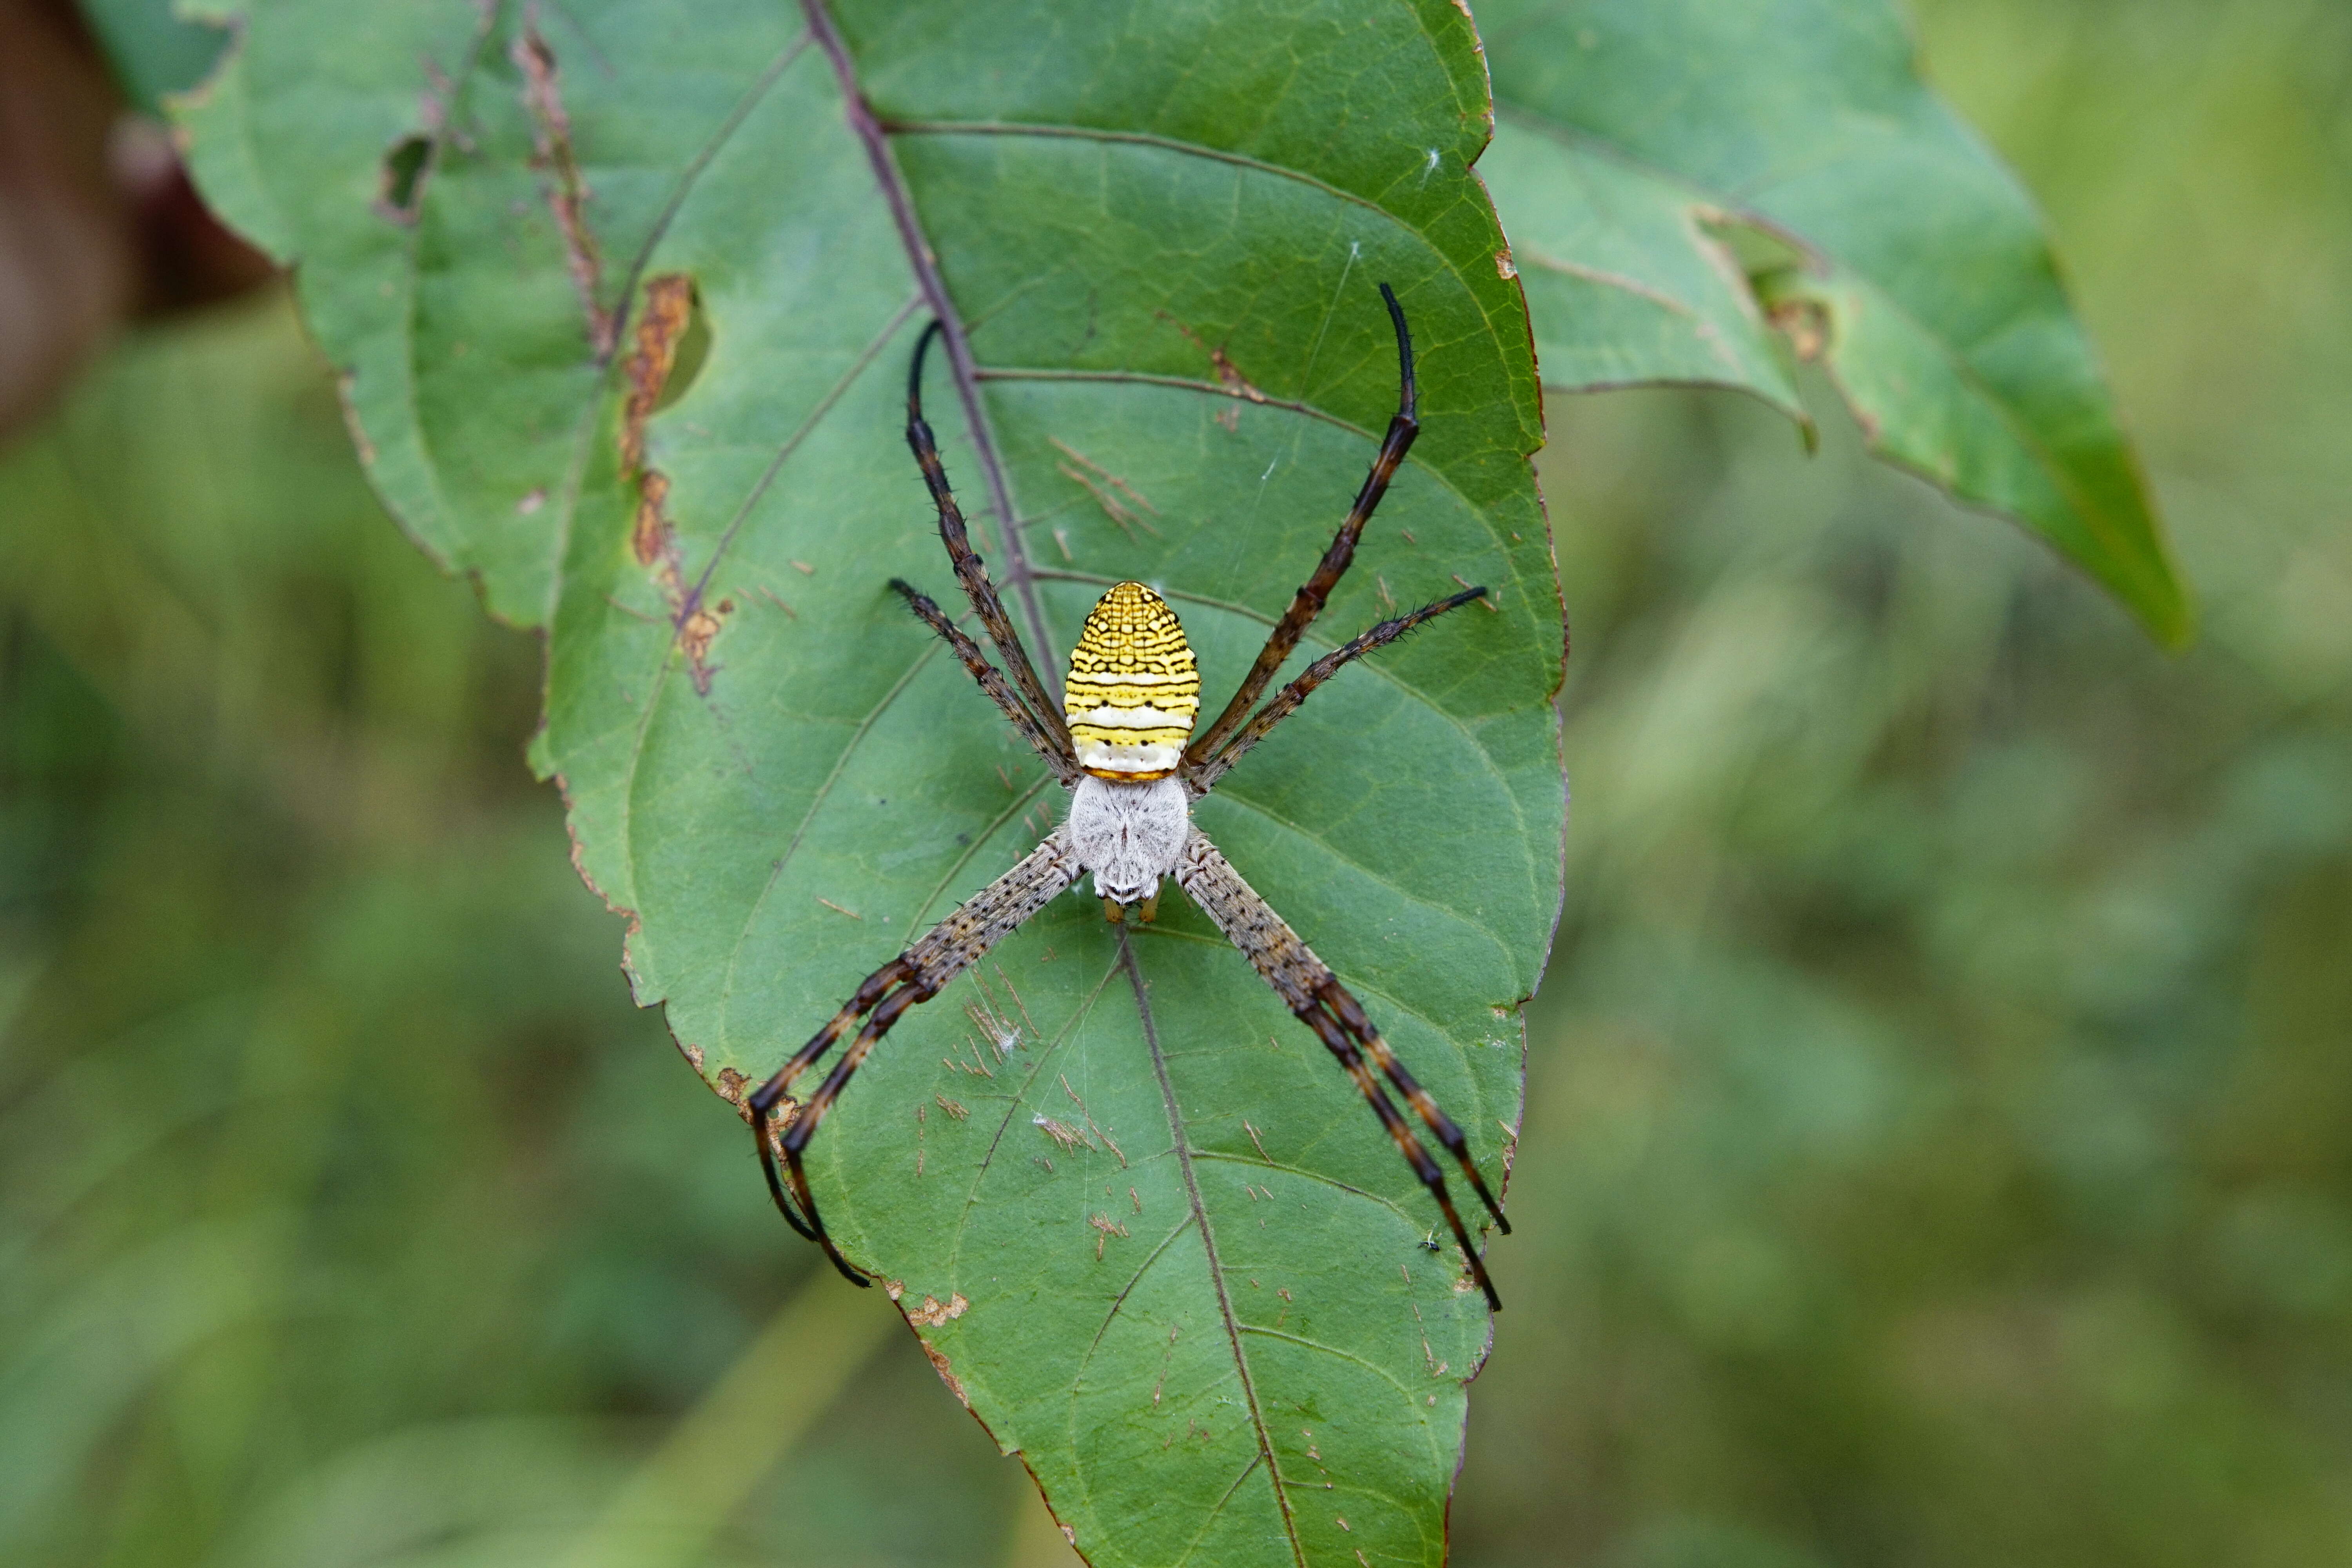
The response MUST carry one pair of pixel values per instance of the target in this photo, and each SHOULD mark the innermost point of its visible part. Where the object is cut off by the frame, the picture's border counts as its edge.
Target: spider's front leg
(1307, 603)
(916, 975)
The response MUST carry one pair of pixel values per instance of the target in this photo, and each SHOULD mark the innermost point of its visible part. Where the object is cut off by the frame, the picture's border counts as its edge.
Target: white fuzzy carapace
(1127, 835)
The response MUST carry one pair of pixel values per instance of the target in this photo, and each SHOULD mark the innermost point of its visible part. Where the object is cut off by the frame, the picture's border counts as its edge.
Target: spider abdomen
(1134, 691)
(1127, 835)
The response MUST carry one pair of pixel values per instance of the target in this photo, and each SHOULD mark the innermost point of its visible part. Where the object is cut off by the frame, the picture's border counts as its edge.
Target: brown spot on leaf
(1232, 379)
(1228, 375)
(1488, 603)
(649, 538)
(947, 1377)
(1061, 1132)
(1105, 1229)
(670, 306)
(1111, 492)
(1503, 266)
(695, 634)
(567, 194)
(1806, 324)
(653, 537)
(933, 1312)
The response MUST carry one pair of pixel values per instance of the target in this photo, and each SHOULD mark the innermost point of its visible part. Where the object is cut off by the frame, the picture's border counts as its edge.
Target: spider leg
(1308, 602)
(1351, 1017)
(916, 975)
(968, 569)
(805, 1125)
(1335, 1040)
(1315, 995)
(1285, 703)
(990, 680)
(764, 1100)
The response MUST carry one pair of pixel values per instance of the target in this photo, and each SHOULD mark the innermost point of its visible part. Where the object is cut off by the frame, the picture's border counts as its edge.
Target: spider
(1117, 742)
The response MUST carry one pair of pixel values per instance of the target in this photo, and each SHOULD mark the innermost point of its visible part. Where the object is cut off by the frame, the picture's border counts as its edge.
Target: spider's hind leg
(1316, 998)
(763, 1102)
(916, 975)
(805, 1125)
(1351, 1017)
(1335, 1040)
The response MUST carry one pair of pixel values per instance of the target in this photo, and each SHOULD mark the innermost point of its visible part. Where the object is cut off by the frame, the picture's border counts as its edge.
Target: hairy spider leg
(990, 680)
(1306, 984)
(805, 1125)
(1308, 602)
(968, 569)
(1286, 702)
(768, 1096)
(1441, 1126)
(1335, 1040)
(916, 975)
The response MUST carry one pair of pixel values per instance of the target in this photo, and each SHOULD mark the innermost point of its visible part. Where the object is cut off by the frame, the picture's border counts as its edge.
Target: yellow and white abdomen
(1134, 691)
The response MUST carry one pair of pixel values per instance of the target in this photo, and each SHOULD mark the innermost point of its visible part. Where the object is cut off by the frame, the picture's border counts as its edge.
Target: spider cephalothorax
(1121, 742)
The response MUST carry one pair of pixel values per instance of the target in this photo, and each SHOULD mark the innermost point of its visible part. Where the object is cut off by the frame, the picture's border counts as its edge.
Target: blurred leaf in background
(1942, 1134)
(1939, 1144)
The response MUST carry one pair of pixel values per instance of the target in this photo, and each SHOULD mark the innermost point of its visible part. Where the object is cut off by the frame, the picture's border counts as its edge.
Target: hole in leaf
(403, 172)
(686, 363)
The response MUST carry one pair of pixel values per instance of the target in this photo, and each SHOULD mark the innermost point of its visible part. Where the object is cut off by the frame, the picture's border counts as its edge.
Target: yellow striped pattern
(1134, 692)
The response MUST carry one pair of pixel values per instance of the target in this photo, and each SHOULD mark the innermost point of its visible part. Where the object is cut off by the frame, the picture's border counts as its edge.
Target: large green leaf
(622, 303)
(1682, 176)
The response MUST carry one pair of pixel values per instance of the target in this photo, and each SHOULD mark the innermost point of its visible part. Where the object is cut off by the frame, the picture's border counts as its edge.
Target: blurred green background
(1940, 1136)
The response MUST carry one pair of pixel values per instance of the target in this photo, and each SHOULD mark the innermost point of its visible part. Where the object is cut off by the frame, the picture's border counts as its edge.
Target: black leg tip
(915, 371)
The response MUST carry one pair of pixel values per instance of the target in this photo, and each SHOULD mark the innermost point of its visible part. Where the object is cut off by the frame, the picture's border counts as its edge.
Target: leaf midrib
(923, 261)
(1182, 1143)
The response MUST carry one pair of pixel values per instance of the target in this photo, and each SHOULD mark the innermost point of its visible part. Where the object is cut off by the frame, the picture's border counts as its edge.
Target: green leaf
(1146, 1227)
(153, 53)
(1637, 135)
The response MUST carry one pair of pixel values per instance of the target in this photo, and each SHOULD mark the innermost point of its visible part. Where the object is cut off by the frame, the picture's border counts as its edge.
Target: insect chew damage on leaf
(933, 1311)
(663, 329)
(403, 178)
